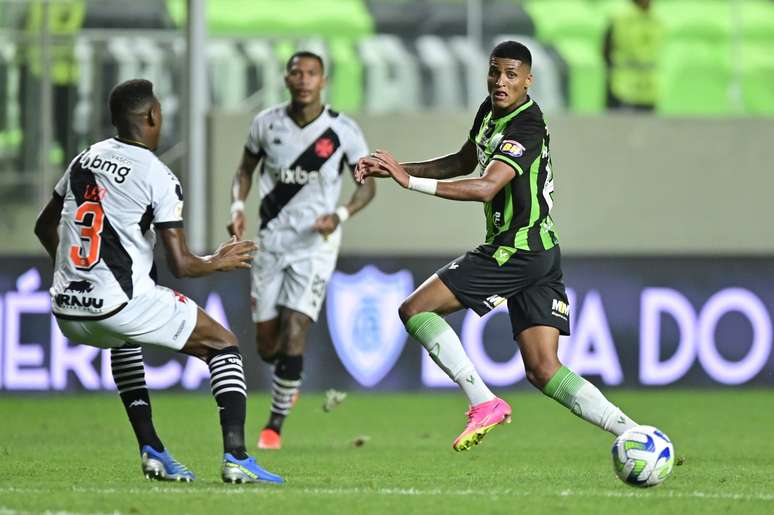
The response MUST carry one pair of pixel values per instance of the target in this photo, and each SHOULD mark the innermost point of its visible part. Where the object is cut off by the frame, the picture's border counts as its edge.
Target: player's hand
(237, 226)
(234, 254)
(326, 224)
(368, 167)
(385, 162)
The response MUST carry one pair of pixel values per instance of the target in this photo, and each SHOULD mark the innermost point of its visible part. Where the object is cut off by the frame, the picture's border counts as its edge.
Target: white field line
(261, 490)
(8, 511)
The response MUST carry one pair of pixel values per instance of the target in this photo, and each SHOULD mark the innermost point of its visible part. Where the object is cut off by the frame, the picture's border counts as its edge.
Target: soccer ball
(643, 456)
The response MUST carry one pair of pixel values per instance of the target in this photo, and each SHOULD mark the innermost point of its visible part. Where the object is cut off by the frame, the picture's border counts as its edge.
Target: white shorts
(160, 317)
(292, 280)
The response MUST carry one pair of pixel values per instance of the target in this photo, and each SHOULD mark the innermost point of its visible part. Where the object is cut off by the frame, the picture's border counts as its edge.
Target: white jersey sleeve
(355, 146)
(166, 198)
(253, 143)
(61, 186)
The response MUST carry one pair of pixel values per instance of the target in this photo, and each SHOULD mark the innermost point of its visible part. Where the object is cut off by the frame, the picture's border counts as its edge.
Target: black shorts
(531, 282)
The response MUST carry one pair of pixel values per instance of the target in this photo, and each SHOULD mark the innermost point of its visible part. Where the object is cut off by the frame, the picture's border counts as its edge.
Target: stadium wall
(625, 184)
(636, 322)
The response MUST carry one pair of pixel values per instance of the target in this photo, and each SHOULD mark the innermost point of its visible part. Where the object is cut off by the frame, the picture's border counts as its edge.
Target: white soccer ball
(643, 456)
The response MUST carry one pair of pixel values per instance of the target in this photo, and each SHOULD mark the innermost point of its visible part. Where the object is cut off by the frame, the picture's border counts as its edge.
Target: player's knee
(540, 374)
(266, 347)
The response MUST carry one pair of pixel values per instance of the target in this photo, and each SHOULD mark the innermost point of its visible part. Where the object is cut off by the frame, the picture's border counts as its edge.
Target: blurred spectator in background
(64, 21)
(631, 48)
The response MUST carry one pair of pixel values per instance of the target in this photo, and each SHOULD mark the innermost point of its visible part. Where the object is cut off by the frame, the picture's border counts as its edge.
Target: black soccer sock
(129, 376)
(227, 380)
(285, 384)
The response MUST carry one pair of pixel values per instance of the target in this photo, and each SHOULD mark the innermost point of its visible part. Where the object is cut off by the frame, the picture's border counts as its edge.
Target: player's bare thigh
(539, 346)
(208, 337)
(433, 296)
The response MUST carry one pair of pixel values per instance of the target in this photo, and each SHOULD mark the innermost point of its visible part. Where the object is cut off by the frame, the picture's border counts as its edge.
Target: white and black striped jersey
(113, 194)
(300, 172)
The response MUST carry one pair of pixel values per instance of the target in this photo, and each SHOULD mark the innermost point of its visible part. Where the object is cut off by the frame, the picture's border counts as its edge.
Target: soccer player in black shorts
(519, 263)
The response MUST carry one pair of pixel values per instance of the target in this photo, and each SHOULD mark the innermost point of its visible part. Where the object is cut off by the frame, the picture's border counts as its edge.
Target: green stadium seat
(563, 19)
(697, 80)
(757, 20)
(242, 18)
(587, 74)
(346, 80)
(758, 79)
(709, 21)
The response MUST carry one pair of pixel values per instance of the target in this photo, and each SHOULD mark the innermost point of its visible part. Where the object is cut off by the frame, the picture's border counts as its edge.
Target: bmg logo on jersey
(96, 163)
(295, 175)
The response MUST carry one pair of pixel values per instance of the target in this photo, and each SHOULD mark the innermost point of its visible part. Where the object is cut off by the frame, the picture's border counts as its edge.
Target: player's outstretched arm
(461, 162)
(480, 189)
(231, 255)
(47, 223)
(240, 188)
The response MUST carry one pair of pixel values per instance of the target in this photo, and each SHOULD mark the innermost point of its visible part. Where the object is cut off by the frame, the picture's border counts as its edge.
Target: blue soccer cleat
(246, 471)
(162, 466)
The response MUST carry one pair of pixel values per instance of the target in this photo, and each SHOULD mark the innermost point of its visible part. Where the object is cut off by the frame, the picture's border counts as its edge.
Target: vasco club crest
(362, 312)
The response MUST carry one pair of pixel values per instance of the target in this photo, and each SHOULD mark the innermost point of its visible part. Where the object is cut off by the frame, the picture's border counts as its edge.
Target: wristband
(237, 205)
(343, 213)
(422, 185)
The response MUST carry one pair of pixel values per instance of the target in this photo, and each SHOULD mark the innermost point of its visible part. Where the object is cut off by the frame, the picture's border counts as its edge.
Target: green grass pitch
(76, 454)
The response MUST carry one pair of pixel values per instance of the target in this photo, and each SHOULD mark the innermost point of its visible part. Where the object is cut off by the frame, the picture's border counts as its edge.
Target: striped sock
(285, 383)
(445, 348)
(129, 376)
(227, 380)
(586, 401)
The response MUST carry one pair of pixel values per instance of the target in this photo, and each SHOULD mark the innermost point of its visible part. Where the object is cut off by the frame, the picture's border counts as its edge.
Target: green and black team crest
(518, 217)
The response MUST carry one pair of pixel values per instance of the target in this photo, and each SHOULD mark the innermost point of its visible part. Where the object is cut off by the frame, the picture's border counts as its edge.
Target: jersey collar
(515, 112)
(302, 127)
(130, 142)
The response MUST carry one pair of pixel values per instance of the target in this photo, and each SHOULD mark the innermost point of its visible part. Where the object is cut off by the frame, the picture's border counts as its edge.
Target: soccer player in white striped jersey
(303, 147)
(100, 229)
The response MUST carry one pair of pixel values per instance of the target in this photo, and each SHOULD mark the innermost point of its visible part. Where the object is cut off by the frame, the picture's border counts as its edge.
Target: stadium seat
(757, 21)
(587, 74)
(345, 82)
(268, 71)
(566, 19)
(392, 75)
(697, 80)
(227, 73)
(757, 79)
(442, 90)
(708, 21)
(474, 68)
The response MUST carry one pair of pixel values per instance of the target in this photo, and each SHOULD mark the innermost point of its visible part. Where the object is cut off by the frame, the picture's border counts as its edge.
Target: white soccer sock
(446, 350)
(585, 400)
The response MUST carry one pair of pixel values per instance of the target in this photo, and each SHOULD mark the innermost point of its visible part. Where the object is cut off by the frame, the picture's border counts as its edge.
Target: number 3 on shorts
(91, 241)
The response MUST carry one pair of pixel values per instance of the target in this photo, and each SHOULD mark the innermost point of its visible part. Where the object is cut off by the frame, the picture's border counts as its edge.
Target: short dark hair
(301, 54)
(512, 50)
(127, 97)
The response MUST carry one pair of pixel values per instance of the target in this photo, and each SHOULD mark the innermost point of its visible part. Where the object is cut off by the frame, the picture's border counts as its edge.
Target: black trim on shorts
(88, 318)
(175, 224)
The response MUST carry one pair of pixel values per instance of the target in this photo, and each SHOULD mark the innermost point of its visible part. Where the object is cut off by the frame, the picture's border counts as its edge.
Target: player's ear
(528, 80)
(154, 114)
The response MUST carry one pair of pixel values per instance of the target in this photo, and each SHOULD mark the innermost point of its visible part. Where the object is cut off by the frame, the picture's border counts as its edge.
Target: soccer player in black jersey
(519, 262)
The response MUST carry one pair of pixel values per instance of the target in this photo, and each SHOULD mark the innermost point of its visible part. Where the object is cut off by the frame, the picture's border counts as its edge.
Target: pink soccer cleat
(482, 418)
(269, 439)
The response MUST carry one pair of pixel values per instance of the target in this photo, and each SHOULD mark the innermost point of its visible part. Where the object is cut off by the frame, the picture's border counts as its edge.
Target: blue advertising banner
(636, 322)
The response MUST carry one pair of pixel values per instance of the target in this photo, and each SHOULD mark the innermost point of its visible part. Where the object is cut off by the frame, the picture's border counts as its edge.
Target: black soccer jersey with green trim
(518, 217)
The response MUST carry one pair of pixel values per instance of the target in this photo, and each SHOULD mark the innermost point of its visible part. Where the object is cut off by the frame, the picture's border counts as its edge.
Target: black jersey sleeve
(521, 144)
(483, 109)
